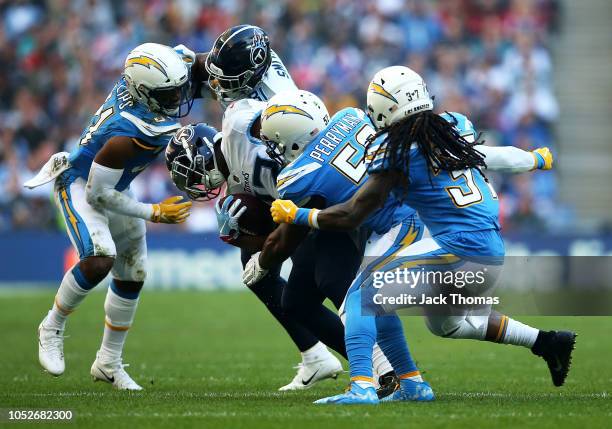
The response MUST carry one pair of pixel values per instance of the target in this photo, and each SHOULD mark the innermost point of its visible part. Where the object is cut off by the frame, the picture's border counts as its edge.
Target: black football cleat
(556, 347)
(388, 383)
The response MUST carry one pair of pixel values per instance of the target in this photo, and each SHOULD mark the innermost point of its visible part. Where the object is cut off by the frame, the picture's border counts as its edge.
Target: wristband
(307, 217)
(540, 162)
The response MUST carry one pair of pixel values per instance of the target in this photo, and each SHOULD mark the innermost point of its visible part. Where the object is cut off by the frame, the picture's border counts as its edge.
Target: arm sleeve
(101, 193)
(507, 159)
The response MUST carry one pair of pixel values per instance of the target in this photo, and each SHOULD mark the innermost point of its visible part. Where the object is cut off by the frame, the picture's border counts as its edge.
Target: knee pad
(131, 267)
(131, 259)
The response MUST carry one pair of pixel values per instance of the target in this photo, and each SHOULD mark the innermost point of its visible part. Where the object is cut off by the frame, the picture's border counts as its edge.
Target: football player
(104, 222)
(199, 166)
(295, 123)
(241, 69)
(454, 200)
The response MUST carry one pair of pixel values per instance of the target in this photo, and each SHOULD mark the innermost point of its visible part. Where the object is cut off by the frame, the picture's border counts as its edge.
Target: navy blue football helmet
(190, 158)
(238, 61)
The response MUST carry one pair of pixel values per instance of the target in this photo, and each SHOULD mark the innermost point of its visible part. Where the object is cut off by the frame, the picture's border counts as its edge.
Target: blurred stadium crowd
(487, 58)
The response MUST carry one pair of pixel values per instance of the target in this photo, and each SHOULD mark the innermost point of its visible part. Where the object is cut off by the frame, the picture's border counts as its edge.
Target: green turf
(216, 359)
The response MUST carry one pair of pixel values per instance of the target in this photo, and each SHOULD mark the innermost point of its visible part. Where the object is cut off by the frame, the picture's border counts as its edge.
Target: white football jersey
(277, 79)
(251, 169)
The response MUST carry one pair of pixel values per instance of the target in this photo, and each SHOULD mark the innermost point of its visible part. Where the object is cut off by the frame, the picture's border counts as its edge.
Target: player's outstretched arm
(341, 217)
(511, 159)
(199, 75)
(106, 171)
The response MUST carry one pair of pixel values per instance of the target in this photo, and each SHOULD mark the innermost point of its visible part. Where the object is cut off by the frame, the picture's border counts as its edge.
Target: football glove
(285, 211)
(253, 272)
(227, 217)
(544, 158)
(171, 210)
(186, 54)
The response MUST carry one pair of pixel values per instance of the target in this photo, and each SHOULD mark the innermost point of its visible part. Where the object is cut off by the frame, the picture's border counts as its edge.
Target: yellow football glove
(171, 211)
(283, 211)
(544, 158)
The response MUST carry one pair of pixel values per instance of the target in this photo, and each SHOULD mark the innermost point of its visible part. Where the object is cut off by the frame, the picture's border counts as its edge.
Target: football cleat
(412, 391)
(355, 395)
(114, 373)
(388, 383)
(556, 349)
(51, 349)
(311, 373)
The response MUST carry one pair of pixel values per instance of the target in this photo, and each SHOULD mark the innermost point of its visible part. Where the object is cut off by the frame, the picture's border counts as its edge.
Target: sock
(120, 313)
(73, 289)
(364, 383)
(360, 336)
(380, 363)
(393, 343)
(518, 333)
(315, 353)
(413, 376)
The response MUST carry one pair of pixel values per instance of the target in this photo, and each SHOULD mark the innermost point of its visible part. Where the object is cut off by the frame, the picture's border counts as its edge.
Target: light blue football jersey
(121, 115)
(460, 208)
(332, 166)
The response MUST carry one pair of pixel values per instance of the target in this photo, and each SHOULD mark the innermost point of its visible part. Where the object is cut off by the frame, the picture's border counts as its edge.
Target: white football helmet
(157, 76)
(290, 121)
(395, 93)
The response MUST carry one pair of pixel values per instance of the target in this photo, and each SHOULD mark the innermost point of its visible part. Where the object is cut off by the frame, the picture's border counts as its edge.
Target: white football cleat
(313, 372)
(51, 349)
(113, 373)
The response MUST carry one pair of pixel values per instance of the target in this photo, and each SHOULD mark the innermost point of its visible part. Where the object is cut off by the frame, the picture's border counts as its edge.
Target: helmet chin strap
(214, 178)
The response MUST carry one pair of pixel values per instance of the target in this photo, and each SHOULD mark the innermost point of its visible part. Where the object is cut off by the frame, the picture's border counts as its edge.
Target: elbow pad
(101, 193)
(101, 180)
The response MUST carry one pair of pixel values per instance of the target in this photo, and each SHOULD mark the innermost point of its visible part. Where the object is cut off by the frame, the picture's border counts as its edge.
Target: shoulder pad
(245, 104)
(288, 182)
(164, 127)
(464, 125)
(360, 114)
(239, 114)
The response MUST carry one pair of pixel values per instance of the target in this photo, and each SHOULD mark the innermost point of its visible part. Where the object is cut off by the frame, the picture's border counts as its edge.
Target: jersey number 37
(462, 198)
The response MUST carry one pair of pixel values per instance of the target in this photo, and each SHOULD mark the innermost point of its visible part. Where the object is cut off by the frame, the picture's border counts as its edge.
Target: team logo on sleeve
(378, 89)
(285, 109)
(258, 50)
(145, 61)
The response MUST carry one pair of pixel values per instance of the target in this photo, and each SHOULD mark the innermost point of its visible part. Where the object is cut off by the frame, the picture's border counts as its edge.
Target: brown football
(256, 220)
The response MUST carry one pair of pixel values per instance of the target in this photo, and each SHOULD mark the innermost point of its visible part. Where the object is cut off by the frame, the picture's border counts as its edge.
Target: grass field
(216, 359)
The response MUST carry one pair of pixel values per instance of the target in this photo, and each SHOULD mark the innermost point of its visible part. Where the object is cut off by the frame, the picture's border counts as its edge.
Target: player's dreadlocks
(438, 139)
